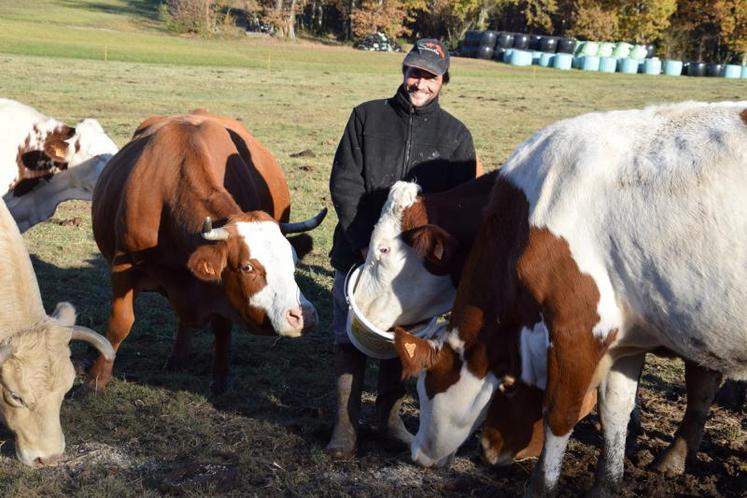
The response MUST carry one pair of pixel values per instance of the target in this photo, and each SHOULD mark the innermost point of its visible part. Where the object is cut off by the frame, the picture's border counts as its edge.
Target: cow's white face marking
(88, 152)
(448, 419)
(281, 294)
(394, 288)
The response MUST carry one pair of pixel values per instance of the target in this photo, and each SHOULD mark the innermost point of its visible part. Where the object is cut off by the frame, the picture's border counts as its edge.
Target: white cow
(44, 162)
(624, 231)
(35, 366)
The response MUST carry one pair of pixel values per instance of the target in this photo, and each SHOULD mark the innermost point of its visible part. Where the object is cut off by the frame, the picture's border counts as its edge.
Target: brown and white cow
(620, 243)
(44, 162)
(414, 264)
(35, 366)
(152, 212)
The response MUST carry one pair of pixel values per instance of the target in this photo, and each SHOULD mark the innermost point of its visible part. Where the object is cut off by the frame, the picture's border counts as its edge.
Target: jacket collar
(401, 102)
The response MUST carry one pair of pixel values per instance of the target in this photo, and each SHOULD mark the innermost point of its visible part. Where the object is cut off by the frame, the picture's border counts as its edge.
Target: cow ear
(302, 244)
(208, 261)
(416, 354)
(433, 243)
(56, 149)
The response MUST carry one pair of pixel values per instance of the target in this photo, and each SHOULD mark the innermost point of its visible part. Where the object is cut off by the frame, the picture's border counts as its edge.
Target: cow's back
(651, 205)
(154, 194)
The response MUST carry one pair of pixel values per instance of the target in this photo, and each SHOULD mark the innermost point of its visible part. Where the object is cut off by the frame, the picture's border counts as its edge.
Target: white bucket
(369, 339)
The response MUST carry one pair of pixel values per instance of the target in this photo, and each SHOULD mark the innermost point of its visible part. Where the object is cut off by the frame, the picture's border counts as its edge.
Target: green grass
(265, 436)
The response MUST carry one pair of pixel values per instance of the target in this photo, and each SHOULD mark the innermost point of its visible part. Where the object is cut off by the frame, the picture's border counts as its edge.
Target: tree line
(702, 30)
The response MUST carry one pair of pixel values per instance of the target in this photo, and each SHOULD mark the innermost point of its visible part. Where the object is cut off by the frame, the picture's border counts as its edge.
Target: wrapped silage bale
(638, 52)
(622, 50)
(587, 48)
(606, 49)
(732, 71)
(607, 64)
(672, 67)
(546, 59)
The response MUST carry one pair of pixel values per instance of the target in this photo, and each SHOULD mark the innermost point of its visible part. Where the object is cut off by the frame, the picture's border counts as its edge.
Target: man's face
(421, 86)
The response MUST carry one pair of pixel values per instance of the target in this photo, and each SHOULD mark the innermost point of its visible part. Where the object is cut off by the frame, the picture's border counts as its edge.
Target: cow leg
(178, 359)
(570, 375)
(390, 394)
(617, 394)
(221, 354)
(120, 323)
(544, 478)
(702, 385)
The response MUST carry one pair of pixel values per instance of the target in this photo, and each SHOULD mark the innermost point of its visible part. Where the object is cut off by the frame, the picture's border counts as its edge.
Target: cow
(415, 260)
(35, 366)
(620, 243)
(44, 162)
(155, 213)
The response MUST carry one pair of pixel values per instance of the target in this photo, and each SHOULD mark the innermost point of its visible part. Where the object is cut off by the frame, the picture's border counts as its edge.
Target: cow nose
(294, 316)
(49, 460)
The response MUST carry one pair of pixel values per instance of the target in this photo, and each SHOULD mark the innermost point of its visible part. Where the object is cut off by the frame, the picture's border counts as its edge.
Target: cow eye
(14, 399)
(247, 268)
(384, 250)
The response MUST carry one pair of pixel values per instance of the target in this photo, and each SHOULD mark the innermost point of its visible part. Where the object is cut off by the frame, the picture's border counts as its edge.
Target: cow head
(404, 280)
(482, 350)
(255, 264)
(52, 147)
(88, 152)
(456, 382)
(35, 374)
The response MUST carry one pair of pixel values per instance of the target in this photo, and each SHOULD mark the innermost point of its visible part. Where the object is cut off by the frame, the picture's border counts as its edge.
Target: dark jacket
(386, 141)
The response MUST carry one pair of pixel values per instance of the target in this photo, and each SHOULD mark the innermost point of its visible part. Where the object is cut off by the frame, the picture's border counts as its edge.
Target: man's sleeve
(347, 184)
(464, 160)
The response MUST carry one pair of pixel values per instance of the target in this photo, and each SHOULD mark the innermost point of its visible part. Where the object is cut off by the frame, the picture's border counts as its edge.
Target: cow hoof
(602, 491)
(671, 464)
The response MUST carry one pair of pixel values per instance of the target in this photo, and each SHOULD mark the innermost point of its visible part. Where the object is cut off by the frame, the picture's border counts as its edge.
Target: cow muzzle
(300, 320)
(424, 460)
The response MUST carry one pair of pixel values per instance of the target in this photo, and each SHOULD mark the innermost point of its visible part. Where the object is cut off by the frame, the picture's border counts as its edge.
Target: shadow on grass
(147, 10)
(274, 379)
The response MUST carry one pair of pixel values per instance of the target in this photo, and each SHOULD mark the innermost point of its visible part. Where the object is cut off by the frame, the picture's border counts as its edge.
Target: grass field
(157, 432)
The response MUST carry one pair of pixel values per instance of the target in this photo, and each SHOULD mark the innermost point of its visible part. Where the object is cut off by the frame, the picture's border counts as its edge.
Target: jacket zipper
(408, 144)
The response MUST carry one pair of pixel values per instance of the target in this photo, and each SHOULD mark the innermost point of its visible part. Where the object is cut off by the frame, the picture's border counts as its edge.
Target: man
(405, 137)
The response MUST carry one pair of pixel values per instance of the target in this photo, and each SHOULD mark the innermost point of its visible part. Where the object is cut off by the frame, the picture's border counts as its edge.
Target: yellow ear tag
(410, 348)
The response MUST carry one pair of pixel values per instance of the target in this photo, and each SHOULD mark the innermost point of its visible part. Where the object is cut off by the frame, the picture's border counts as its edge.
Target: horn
(96, 340)
(5, 353)
(210, 233)
(303, 226)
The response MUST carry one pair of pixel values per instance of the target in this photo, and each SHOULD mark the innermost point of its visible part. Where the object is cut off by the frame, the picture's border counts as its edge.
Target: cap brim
(424, 67)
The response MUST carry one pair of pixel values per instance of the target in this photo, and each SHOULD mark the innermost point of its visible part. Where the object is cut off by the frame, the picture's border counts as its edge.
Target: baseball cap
(430, 55)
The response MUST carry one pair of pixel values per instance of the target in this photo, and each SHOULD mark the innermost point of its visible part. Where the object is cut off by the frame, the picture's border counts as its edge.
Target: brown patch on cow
(569, 301)
(457, 212)
(514, 426)
(417, 355)
(77, 146)
(743, 115)
(484, 313)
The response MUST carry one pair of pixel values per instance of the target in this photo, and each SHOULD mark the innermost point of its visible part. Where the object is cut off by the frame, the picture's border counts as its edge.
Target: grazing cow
(44, 162)
(621, 243)
(152, 212)
(414, 264)
(35, 366)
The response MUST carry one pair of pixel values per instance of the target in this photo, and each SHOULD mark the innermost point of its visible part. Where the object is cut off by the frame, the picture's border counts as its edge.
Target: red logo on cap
(435, 47)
